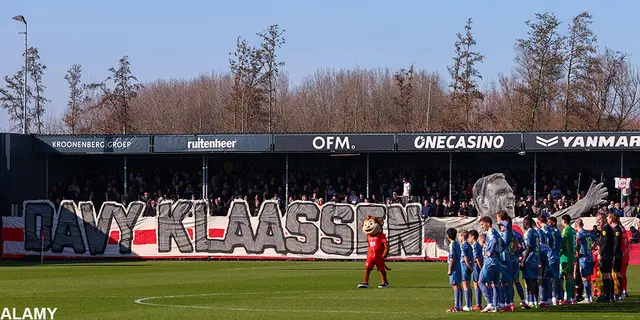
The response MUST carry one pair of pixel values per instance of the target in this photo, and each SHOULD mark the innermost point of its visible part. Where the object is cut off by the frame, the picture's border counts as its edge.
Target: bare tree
(76, 97)
(248, 94)
(627, 90)
(54, 125)
(402, 100)
(596, 91)
(463, 73)
(329, 100)
(539, 59)
(454, 70)
(189, 106)
(36, 73)
(580, 49)
(11, 99)
(118, 99)
(11, 96)
(272, 39)
(557, 80)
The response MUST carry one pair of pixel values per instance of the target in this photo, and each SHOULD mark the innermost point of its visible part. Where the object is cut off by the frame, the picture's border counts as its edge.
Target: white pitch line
(143, 301)
(343, 298)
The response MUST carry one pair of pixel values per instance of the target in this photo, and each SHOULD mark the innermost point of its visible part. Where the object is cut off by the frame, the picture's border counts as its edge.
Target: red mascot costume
(378, 250)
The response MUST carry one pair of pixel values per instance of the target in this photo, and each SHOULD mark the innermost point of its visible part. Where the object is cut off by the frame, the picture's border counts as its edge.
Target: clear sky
(180, 39)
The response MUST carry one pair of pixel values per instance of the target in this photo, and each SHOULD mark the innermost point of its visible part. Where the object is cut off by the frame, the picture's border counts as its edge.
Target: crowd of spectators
(337, 181)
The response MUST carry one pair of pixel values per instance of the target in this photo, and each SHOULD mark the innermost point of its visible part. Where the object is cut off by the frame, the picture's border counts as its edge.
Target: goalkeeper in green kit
(568, 259)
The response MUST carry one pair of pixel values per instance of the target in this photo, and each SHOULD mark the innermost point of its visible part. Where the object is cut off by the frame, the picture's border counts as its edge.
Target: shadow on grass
(631, 306)
(320, 269)
(73, 263)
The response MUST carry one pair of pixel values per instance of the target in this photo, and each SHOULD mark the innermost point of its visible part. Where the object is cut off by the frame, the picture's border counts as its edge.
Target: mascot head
(372, 225)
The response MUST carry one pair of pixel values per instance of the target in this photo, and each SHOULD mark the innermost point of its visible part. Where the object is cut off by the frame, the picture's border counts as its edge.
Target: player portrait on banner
(493, 193)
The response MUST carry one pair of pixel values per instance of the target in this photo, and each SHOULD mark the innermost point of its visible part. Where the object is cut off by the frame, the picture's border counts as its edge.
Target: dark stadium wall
(5, 180)
(4, 183)
(25, 170)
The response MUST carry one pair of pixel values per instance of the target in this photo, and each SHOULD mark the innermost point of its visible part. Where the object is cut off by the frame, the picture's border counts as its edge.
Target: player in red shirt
(625, 260)
(378, 250)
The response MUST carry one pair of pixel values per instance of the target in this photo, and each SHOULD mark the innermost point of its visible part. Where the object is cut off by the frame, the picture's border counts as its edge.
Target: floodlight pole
(26, 72)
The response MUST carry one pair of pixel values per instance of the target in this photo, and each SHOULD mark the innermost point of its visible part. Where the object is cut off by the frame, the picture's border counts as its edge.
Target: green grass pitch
(255, 290)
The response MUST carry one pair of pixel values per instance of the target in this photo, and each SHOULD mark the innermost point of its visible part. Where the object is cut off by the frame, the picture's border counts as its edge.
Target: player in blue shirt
(558, 292)
(543, 240)
(585, 242)
(530, 262)
(553, 272)
(478, 259)
(543, 274)
(518, 246)
(547, 231)
(466, 267)
(505, 276)
(540, 232)
(512, 253)
(490, 275)
(455, 278)
(507, 235)
(557, 235)
(550, 260)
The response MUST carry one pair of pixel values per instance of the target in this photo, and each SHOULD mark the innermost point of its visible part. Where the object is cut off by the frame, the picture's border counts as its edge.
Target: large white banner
(183, 229)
